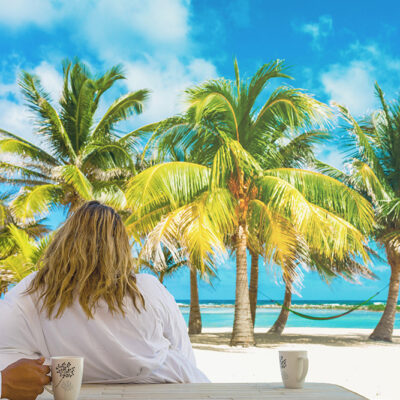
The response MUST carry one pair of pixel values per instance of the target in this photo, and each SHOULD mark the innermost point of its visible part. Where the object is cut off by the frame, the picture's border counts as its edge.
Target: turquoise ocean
(219, 314)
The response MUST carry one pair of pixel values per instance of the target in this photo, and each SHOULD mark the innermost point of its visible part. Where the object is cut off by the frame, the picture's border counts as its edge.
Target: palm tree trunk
(243, 332)
(280, 323)
(384, 329)
(253, 289)
(194, 316)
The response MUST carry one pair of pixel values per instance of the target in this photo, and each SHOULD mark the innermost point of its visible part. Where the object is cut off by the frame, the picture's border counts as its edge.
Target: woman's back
(147, 346)
(86, 301)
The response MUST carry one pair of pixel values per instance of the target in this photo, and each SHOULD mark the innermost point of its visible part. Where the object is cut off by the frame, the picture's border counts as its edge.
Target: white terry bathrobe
(147, 347)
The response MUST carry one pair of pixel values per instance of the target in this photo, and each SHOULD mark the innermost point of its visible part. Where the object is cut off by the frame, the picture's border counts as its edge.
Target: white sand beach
(340, 356)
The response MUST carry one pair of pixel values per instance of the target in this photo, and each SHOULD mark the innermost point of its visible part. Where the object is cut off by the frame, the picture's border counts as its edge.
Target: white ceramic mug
(66, 377)
(294, 367)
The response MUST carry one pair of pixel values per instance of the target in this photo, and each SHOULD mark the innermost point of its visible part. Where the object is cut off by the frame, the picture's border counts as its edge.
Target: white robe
(147, 347)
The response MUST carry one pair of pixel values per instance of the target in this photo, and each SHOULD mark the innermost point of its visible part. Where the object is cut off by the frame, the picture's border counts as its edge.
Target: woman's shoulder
(149, 285)
(20, 287)
(147, 281)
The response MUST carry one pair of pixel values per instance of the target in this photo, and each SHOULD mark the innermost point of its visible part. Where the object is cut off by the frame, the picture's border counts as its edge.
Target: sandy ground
(341, 356)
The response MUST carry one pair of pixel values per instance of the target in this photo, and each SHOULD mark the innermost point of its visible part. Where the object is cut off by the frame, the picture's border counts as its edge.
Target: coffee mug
(294, 367)
(66, 377)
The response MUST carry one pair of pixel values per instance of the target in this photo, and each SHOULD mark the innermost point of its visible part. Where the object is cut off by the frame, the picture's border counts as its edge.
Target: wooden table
(220, 391)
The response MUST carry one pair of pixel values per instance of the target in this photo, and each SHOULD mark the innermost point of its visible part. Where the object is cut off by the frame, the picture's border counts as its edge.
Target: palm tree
(328, 269)
(184, 236)
(237, 192)
(8, 244)
(80, 159)
(163, 266)
(374, 159)
(24, 260)
(286, 148)
(34, 229)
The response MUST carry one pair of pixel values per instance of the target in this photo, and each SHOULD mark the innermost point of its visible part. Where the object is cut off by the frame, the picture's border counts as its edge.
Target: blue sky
(336, 50)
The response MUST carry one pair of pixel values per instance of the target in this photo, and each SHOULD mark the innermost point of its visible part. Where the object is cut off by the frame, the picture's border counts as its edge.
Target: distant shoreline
(373, 306)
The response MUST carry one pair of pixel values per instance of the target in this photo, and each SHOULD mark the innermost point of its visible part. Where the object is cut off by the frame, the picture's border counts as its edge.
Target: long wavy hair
(89, 258)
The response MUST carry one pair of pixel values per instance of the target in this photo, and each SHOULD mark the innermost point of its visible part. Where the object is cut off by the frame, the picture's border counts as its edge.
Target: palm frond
(12, 171)
(26, 150)
(74, 176)
(332, 195)
(49, 122)
(171, 183)
(121, 109)
(295, 108)
(35, 201)
(364, 147)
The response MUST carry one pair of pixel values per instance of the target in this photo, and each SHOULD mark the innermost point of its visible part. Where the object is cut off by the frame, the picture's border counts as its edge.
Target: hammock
(326, 318)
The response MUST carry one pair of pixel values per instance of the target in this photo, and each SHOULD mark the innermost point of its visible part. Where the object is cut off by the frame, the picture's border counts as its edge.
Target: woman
(86, 301)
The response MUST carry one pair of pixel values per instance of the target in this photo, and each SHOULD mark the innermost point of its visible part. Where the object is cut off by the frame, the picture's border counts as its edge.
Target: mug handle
(304, 368)
(48, 388)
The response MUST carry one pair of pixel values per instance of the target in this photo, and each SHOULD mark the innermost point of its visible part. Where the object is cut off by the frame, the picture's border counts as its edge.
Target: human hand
(24, 379)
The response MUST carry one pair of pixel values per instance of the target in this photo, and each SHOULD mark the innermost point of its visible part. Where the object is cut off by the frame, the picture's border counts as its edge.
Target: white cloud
(351, 83)
(166, 80)
(17, 13)
(151, 39)
(120, 29)
(51, 79)
(15, 118)
(318, 30)
(114, 29)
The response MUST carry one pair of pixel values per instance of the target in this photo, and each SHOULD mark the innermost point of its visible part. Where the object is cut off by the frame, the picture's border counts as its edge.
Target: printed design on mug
(283, 362)
(65, 370)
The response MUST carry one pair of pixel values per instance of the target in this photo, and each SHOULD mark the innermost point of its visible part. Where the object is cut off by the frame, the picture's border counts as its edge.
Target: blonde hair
(89, 258)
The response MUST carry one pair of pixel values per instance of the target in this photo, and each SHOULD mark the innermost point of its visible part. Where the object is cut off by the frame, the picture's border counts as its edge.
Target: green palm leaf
(75, 177)
(330, 194)
(171, 183)
(36, 200)
(120, 110)
(50, 123)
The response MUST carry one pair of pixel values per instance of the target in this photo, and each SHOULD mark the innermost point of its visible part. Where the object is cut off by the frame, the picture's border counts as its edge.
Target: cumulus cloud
(318, 30)
(15, 118)
(166, 80)
(113, 29)
(151, 39)
(117, 30)
(51, 79)
(351, 82)
(18, 13)
(351, 85)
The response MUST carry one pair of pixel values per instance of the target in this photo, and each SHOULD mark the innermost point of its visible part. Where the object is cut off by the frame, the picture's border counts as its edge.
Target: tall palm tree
(82, 157)
(237, 192)
(374, 159)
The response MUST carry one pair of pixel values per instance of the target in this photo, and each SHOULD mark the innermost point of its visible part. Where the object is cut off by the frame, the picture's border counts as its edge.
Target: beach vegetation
(228, 130)
(81, 157)
(373, 145)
